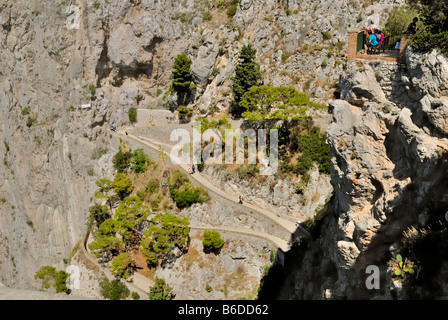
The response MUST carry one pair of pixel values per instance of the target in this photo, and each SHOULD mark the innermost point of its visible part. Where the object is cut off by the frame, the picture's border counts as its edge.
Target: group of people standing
(192, 170)
(374, 37)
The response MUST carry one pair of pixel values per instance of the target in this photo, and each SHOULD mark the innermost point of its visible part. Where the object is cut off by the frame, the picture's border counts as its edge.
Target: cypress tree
(181, 74)
(247, 74)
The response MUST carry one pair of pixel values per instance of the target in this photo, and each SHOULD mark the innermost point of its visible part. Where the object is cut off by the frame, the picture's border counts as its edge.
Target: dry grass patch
(192, 256)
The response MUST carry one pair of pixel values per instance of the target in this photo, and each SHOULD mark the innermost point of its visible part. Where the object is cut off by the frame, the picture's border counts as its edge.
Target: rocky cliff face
(389, 153)
(120, 57)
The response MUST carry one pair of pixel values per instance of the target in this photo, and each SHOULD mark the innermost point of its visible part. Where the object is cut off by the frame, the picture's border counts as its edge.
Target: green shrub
(231, 10)
(247, 171)
(92, 89)
(184, 112)
(183, 193)
(313, 147)
(400, 267)
(47, 275)
(135, 296)
(340, 45)
(26, 111)
(106, 244)
(152, 186)
(206, 16)
(31, 121)
(324, 64)
(139, 160)
(130, 213)
(433, 13)
(132, 115)
(60, 285)
(122, 161)
(212, 240)
(160, 291)
(268, 102)
(52, 278)
(114, 290)
(177, 179)
(189, 195)
(201, 166)
(397, 22)
(208, 288)
(205, 124)
(326, 35)
(425, 42)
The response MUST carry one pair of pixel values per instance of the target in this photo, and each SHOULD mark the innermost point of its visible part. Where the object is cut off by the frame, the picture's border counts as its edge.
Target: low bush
(132, 115)
(188, 195)
(184, 112)
(247, 171)
(212, 240)
(114, 290)
(427, 41)
(326, 35)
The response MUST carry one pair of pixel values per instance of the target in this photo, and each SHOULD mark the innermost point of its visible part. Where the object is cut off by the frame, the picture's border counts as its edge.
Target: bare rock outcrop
(389, 166)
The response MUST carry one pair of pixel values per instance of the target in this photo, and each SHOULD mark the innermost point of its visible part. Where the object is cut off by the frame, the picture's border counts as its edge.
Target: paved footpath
(286, 224)
(279, 243)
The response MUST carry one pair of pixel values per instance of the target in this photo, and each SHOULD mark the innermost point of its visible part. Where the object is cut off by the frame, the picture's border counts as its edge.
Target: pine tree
(247, 74)
(181, 74)
(160, 291)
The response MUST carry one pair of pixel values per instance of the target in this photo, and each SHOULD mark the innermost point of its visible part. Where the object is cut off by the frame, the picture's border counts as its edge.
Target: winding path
(279, 243)
(288, 225)
(140, 283)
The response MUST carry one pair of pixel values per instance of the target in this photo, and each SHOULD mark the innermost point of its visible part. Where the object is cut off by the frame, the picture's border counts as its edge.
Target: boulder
(348, 252)
(359, 85)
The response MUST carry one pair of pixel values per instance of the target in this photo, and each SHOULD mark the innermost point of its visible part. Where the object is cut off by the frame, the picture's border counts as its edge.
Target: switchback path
(139, 284)
(286, 224)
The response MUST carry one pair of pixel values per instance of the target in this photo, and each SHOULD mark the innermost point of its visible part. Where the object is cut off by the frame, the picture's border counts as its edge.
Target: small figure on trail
(189, 170)
(126, 132)
(240, 199)
(298, 222)
(193, 169)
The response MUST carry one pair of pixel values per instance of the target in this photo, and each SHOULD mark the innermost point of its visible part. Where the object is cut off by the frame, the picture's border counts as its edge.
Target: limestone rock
(348, 253)
(358, 86)
(203, 64)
